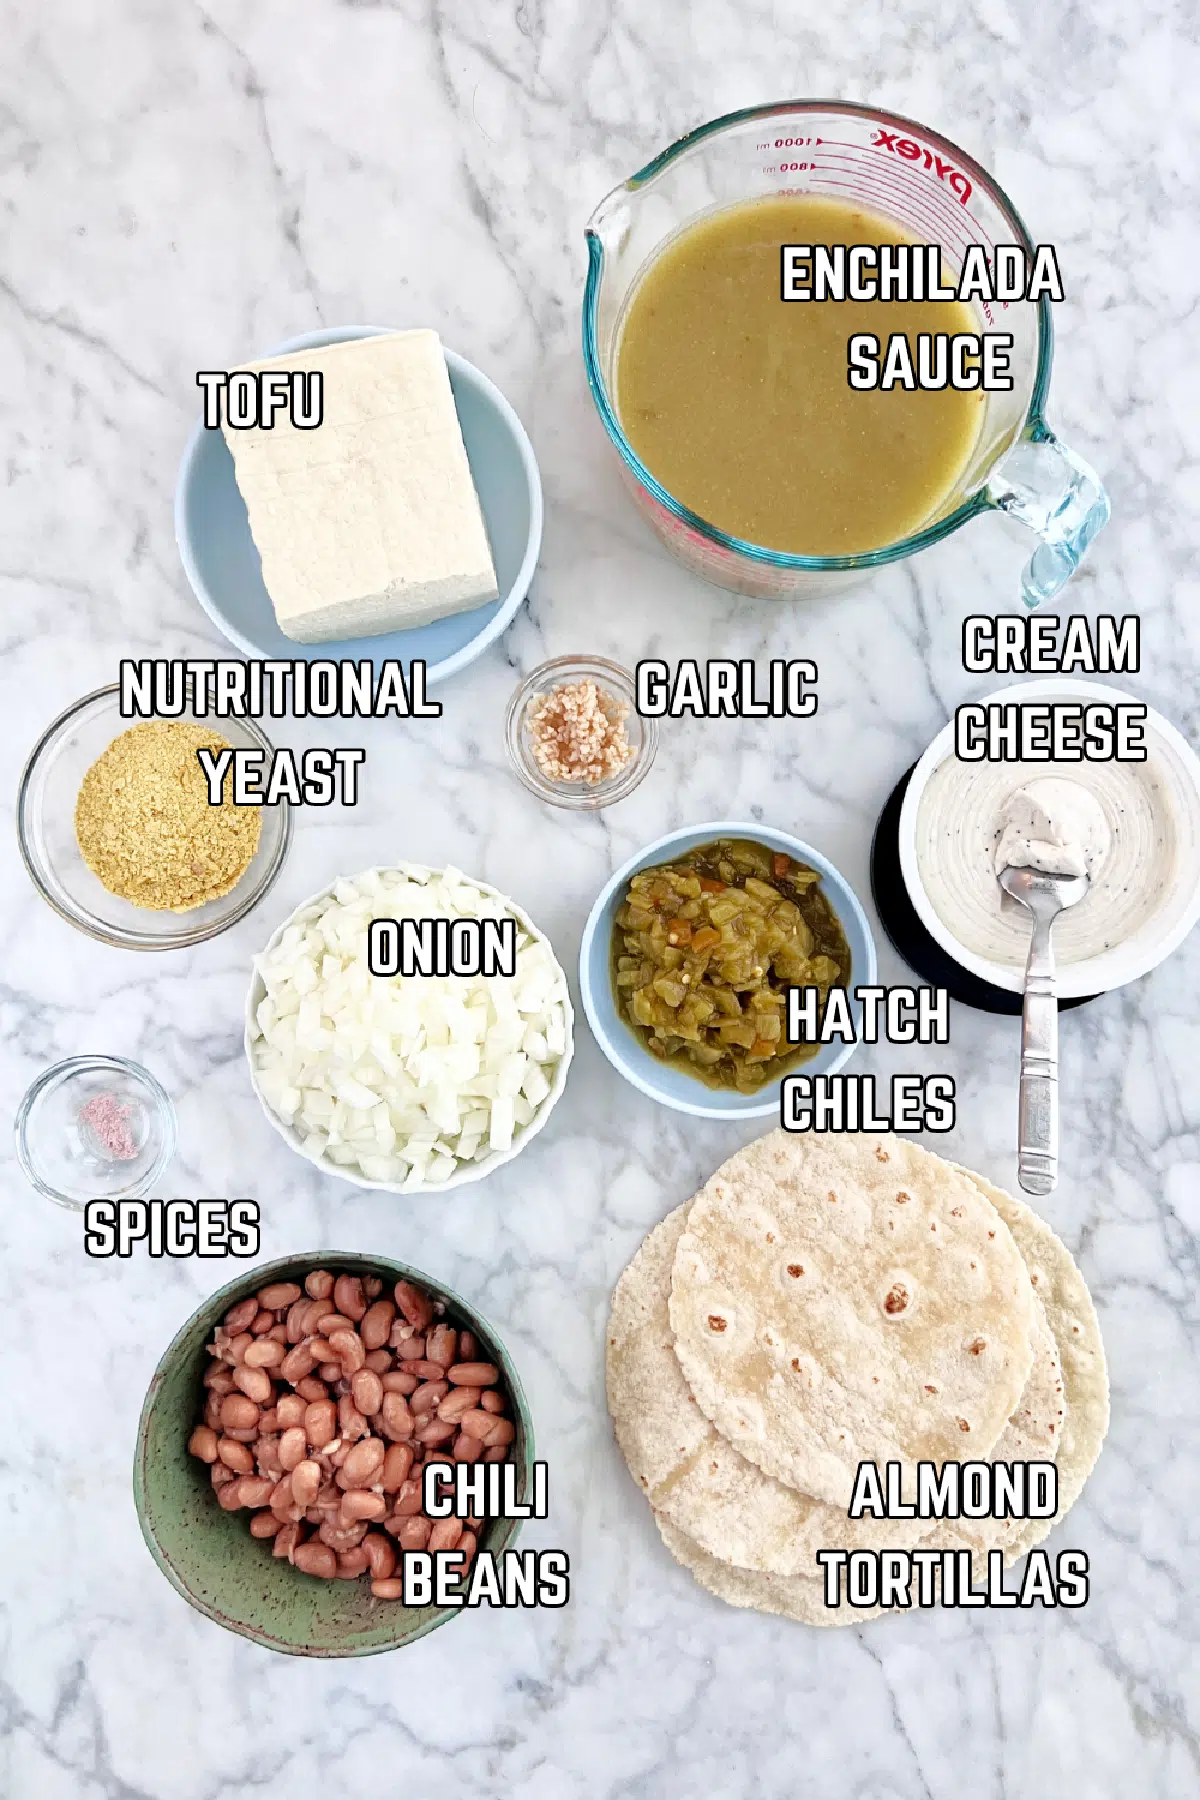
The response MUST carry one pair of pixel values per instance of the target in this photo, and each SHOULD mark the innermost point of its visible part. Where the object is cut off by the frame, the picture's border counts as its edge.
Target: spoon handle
(1037, 1119)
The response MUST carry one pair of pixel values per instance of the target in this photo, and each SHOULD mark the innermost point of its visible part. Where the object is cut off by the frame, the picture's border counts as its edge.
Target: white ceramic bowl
(1170, 923)
(474, 1171)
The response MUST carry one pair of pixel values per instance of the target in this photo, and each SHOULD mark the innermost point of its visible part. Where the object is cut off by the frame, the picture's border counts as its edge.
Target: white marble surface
(184, 185)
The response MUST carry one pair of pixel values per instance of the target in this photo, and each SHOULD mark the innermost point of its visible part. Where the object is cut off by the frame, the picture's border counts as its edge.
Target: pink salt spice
(107, 1118)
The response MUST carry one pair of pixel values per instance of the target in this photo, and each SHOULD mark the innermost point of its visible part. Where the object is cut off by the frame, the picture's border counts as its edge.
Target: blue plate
(221, 562)
(623, 1046)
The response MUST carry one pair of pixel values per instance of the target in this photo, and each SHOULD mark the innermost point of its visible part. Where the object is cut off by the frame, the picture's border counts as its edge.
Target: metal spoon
(1037, 1116)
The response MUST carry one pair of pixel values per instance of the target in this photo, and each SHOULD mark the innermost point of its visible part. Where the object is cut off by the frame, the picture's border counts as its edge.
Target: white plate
(474, 1171)
(1170, 924)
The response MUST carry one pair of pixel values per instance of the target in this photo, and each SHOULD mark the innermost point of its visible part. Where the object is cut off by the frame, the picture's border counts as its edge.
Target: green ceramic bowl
(209, 1556)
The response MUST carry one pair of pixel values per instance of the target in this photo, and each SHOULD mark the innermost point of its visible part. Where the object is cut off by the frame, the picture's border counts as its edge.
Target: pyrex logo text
(911, 151)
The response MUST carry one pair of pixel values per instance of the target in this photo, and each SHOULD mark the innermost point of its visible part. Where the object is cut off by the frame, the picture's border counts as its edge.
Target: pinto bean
(457, 1402)
(473, 1374)
(380, 1555)
(350, 1421)
(396, 1382)
(413, 1533)
(255, 1384)
(235, 1456)
(349, 1298)
(416, 1306)
(203, 1443)
(316, 1559)
(445, 1534)
(441, 1345)
(286, 1540)
(298, 1363)
(320, 1423)
(396, 1417)
(278, 1295)
(347, 1347)
(375, 1327)
(238, 1318)
(363, 1464)
(255, 1490)
(397, 1462)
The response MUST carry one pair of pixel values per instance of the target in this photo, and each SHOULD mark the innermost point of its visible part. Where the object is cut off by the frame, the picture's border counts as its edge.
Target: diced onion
(405, 1078)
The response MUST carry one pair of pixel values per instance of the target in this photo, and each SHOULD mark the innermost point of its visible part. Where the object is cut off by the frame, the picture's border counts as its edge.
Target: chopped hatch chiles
(704, 950)
(577, 733)
(145, 827)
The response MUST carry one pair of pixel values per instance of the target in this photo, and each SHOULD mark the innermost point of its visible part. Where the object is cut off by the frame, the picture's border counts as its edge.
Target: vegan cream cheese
(1056, 826)
(1116, 822)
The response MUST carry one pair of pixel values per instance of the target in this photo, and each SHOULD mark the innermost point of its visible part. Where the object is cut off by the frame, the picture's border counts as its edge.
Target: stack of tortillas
(827, 1301)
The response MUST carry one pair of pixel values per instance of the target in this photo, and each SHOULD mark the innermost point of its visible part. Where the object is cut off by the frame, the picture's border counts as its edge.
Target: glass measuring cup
(938, 194)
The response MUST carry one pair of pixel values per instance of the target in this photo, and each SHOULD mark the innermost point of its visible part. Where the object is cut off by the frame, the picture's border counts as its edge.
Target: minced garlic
(577, 733)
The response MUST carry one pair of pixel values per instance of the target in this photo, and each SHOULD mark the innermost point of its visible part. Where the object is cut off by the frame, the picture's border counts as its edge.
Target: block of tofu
(368, 522)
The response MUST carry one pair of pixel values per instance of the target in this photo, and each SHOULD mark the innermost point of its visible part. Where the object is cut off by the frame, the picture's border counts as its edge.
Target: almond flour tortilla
(791, 1596)
(1035, 1433)
(844, 1299)
(1071, 1316)
(692, 1478)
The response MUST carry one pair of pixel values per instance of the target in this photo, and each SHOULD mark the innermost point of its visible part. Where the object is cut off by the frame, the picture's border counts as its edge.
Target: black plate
(908, 936)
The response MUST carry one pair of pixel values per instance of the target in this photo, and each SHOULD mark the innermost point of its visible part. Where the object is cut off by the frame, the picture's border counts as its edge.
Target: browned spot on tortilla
(963, 1426)
(716, 1322)
(795, 1269)
(896, 1299)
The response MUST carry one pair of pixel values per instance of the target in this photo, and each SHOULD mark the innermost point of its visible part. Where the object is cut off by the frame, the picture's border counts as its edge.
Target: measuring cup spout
(1058, 495)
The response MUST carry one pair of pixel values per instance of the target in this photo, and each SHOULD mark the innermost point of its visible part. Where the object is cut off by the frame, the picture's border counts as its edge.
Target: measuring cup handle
(1058, 495)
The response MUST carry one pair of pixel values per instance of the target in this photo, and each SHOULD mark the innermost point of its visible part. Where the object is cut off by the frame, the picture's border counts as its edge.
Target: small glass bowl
(63, 1151)
(46, 832)
(613, 680)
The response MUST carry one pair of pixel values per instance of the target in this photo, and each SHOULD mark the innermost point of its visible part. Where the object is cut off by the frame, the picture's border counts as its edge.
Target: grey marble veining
(184, 185)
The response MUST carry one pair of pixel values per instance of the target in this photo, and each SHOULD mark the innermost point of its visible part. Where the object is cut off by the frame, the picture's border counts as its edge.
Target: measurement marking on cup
(921, 203)
(930, 180)
(916, 221)
(925, 203)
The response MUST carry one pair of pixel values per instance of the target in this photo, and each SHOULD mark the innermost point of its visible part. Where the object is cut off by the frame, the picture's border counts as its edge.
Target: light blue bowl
(619, 1041)
(221, 562)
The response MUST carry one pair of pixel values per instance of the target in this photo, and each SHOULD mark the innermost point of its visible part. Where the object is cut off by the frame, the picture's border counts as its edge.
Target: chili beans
(320, 1409)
